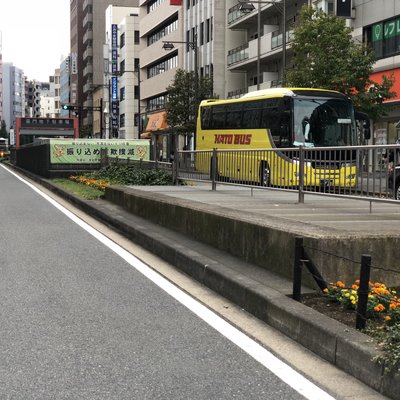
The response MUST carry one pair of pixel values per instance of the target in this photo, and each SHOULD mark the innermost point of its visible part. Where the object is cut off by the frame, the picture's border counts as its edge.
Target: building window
(163, 66)
(164, 30)
(122, 120)
(137, 37)
(122, 94)
(208, 30)
(153, 4)
(156, 103)
(202, 33)
(122, 41)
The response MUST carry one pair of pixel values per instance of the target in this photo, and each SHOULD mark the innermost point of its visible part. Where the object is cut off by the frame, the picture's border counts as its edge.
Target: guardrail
(365, 172)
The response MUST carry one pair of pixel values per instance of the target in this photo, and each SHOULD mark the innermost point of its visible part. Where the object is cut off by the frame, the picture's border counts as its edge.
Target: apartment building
(260, 56)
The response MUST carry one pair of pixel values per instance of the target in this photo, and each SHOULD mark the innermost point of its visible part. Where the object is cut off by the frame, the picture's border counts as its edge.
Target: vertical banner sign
(114, 36)
(114, 88)
(74, 64)
(114, 79)
(114, 114)
(114, 59)
(343, 8)
(114, 47)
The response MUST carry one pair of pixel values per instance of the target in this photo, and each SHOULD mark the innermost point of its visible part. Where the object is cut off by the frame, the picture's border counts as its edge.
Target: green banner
(87, 151)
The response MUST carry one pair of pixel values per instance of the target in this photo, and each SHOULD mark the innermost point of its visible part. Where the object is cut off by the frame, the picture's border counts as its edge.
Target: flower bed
(383, 303)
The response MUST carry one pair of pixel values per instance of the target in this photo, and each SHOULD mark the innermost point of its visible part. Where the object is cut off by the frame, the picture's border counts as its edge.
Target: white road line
(286, 373)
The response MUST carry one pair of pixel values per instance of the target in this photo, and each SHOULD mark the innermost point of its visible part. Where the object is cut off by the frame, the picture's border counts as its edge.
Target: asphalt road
(82, 319)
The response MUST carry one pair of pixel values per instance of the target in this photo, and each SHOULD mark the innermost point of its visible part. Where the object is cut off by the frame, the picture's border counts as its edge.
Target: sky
(35, 35)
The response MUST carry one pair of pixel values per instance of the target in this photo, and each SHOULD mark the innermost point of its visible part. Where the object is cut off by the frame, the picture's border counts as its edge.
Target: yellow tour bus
(258, 137)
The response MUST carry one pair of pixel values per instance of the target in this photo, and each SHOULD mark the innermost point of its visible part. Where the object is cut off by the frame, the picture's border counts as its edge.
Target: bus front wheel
(265, 174)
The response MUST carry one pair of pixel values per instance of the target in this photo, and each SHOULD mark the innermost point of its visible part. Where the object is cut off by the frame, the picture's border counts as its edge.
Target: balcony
(88, 52)
(238, 54)
(270, 48)
(88, 36)
(87, 19)
(87, 3)
(88, 70)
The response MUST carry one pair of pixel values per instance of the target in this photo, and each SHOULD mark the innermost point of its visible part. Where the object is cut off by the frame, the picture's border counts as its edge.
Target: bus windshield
(323, 122)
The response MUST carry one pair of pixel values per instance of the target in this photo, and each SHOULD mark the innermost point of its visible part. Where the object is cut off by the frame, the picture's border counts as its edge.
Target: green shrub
(388, 337)
(131, 175)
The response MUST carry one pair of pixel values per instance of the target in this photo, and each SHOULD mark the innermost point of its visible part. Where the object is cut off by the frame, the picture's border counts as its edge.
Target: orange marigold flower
(357, 281)
(326, 290)
(388, 318)
(379, 308)
(355, 287)
(393, 306)
(340, 284)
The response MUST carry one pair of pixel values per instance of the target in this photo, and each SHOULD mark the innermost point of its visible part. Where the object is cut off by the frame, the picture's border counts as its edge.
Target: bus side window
(233, 116)
(252, 111)
(218, 117)
(205, 117)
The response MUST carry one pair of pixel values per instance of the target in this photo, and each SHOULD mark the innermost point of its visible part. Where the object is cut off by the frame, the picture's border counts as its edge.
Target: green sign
(386, 30)
(377, 32)
(81, 151)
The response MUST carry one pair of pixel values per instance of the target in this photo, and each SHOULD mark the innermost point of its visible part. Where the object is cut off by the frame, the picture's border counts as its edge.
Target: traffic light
(69, 107)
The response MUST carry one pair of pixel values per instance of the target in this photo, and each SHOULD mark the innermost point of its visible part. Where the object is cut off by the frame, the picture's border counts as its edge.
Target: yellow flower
(326, 290)
(352, 298)
(347, 295)
(388, 318)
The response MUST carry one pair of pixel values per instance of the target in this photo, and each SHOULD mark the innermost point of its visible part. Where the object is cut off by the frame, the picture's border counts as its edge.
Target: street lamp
(169, 45)
(247, 7)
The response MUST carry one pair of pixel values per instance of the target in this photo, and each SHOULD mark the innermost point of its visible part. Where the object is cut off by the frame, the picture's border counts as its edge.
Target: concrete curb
(342, 346)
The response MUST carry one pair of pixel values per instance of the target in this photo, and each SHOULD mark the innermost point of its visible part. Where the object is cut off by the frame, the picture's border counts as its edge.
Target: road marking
(283, 371)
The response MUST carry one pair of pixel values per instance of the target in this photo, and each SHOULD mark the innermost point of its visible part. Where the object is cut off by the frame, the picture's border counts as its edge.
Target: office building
(122, 78)
(87, 41)
(13, 94)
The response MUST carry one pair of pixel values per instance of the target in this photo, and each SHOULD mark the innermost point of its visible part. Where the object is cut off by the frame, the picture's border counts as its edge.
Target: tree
(183, 101)
(327, 57)
(3, 130)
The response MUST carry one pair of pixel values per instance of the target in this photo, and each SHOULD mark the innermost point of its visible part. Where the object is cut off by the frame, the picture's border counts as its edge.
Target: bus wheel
(265, 174)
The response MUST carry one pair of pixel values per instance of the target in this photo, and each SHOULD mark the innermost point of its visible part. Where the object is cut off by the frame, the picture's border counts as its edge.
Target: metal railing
(364, 172)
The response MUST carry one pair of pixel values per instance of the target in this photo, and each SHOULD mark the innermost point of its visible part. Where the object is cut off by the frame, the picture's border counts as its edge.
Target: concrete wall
(269, 244)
